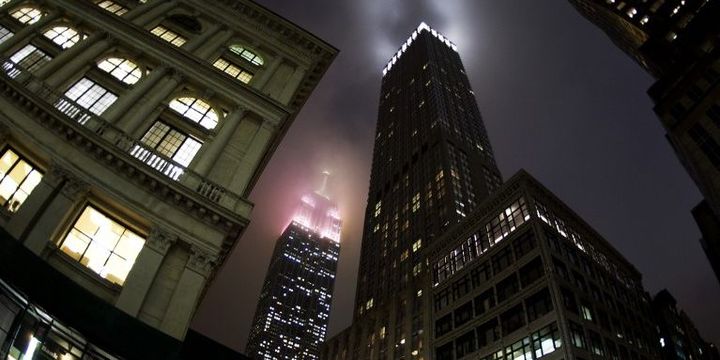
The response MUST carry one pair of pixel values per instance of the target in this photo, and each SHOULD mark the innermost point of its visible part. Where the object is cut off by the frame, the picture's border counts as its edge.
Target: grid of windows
(248, 55)
(122, 69)
(27, 15)
(5, 34)
(30, 58)
(103, 245)
(64, 36)
(168, 35)
(91, 96)
(196, 110)
(18, 178)
(112, 7)
(233, 70)
(172, 143)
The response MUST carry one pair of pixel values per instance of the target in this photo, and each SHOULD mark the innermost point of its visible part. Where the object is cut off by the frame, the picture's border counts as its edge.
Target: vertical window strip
(18, 178)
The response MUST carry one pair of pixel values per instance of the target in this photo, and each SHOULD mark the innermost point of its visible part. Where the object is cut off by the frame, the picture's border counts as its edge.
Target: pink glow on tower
(319, 214)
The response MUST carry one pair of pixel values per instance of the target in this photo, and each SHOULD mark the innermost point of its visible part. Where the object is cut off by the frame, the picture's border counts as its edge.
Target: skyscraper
(292, 315)
(432, 164)
(132, 133)
(677, 41)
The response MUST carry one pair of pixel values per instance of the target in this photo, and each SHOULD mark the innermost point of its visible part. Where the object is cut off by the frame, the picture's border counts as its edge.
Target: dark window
(484, 302)
(603, 320)
(445, 352)
(512, 319)
(481, 274)
(579, 281)
(507, 288)
(707, 144)
(524, 244)
(714, 113)
(465, 344)
(596, 345)
(569, 300)
(488, 333)
(502, 260)
(463, 313)
(538, 305)
(442, 299)
(531, 272)
(612, 350)
(561, 269)
(186, 22)
(461, 287)
(577, 335)
(443, 325)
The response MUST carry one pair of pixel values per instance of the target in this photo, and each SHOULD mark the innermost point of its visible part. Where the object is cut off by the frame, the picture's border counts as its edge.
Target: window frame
(197, 124)
(20, 156)
(138, 66)
(29, 21)
(252, 60)
(112, 215)
(171, 127)
(169, 29)
(67, 27)
(122, 10)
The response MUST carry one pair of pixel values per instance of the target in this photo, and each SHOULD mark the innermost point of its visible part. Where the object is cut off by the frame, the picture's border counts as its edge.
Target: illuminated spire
(318, 213)
(422, 27)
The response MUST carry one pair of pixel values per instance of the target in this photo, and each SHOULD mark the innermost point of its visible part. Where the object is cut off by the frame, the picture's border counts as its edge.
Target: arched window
(122, 69)
(248, 55)
(27, 15)
(64, 36)
(196, 110)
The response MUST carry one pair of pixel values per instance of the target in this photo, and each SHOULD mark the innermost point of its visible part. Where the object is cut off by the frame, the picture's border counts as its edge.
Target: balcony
(100, 133)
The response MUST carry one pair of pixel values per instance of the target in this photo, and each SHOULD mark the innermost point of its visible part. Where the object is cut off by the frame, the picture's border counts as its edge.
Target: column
(291, 86)
(218, 40)
(125, 101)
(74, 65)
(143, 272)
(42, 229)
(28, 31)
(184, 301)
(153, 13)
(141, 8)
(253, 155)
(164, 88)
(69, 55)
(211, 154)
(268, 72)
(203, 38)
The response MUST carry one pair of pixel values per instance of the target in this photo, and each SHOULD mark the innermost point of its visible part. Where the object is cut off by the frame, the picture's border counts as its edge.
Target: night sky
(558, 99)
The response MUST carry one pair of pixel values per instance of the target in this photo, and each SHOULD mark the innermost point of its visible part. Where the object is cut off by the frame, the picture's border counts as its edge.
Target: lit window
(631, 12)
(248, 55)
(4, 34)
(103, 245)
(91, 96)
(172, 143)
(27, 15)
(644, 20)
(233, 70)
(112, 7)
(17, 180)
(30, 58)
(63, 36)
(122, 69)
(169, 36)
(195, 110)
(3, 2)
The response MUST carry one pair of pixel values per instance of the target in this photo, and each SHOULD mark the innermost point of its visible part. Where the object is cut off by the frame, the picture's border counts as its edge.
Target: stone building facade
(133, 133)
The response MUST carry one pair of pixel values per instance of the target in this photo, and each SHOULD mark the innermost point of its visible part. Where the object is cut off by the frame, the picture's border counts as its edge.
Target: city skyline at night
(529, 65)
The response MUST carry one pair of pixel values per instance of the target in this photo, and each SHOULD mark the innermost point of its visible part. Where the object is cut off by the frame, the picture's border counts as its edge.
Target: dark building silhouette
(455, 264)
(679, 339)
(294, 308)
(432, 164)
(677, 41)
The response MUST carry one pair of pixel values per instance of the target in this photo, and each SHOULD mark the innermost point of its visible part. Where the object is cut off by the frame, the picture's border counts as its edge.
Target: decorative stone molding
(202, 261)
(5, 133)
(74, 188)
(160, 239)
